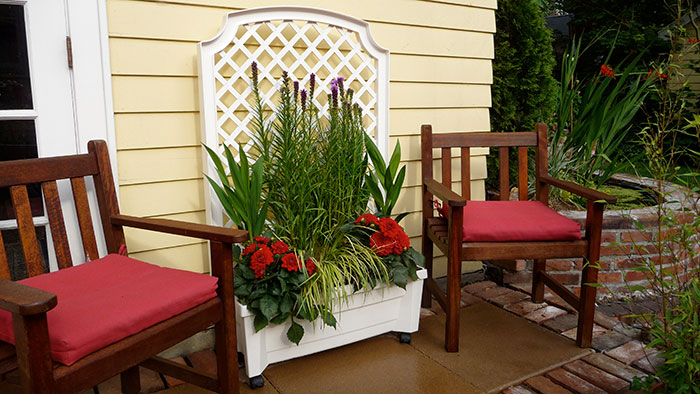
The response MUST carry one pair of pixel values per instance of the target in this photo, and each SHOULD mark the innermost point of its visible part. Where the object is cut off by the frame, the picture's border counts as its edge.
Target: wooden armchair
(503, 230)
(92, 328)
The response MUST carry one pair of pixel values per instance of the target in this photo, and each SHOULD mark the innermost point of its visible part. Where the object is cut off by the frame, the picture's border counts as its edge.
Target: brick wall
(623, 245)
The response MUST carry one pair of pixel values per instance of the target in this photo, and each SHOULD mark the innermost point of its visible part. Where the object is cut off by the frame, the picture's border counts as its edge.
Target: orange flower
(607, 71)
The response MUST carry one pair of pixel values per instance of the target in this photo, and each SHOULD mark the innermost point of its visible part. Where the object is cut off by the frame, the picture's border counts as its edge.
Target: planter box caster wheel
(405, 338)
(256, 382)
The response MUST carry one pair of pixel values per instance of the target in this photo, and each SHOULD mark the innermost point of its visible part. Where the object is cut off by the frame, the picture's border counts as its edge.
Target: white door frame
(90, 115)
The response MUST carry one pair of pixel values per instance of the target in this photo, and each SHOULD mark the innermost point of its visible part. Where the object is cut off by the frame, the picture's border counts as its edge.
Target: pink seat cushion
(105, 300)
(502, 221)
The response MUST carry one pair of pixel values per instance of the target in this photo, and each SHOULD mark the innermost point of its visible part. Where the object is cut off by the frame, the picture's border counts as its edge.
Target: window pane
(15, 256)
(15, 89)
(18, 141)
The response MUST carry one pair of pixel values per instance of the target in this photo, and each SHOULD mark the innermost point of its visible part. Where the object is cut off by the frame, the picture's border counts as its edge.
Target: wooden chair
(29, 306)
(448, 232)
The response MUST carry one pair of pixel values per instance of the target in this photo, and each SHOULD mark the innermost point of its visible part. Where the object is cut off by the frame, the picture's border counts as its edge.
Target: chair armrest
(203, 231)
(25, 300)
(441, 191)
(577, 189)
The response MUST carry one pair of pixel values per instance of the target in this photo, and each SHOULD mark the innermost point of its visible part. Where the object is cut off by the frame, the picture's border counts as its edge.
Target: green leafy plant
(593, 118)
(311, 173)
(388, 240)
(268, 278)
(672, 272)
(383, 181)
(241, 195)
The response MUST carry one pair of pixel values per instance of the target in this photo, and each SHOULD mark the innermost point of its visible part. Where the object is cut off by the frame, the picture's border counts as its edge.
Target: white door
(37, 111)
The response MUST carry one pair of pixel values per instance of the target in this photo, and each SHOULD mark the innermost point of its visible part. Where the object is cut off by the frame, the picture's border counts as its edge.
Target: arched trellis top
(301, 41)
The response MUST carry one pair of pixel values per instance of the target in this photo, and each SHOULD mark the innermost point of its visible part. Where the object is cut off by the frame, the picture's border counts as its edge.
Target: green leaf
(393, 193)
(246, 272)
(374, 155)
(395, 160)
(295, 332)
(260, 322)
(280, 319)
(400, 277)
(328, 318)
(375, 191)
(243, 290)
(400, 217)
(286, 304)
(269, 306)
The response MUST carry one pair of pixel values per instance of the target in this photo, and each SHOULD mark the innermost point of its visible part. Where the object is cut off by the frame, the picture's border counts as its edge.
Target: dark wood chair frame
(446, 233)
(31, 356)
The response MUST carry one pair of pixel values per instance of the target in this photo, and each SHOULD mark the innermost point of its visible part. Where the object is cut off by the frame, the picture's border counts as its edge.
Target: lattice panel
(300, 48)
(298, 40)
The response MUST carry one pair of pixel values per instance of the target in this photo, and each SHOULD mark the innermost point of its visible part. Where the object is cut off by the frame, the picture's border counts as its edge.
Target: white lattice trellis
(298, 40)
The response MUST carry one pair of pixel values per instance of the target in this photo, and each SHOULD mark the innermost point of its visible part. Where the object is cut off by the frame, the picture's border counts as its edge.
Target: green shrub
(523, 87)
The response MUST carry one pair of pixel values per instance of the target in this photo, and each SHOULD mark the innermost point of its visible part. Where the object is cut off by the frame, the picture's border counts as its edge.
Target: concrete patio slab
(497, 348)
(377, 365)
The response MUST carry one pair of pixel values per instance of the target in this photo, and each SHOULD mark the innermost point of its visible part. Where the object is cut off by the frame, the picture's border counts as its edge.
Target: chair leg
(586, 312)
(538, 266)
(427, 301)
(454, 282)
(225, 330)
(226, 358)
(131, 381)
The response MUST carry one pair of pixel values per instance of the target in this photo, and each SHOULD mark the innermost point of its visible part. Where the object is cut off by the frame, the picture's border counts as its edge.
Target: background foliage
(523, 86)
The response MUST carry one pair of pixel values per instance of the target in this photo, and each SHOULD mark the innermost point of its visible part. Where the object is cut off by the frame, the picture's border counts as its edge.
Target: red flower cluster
(280, 247)
(389, 238)
(310, 266)
(693, 40)
(657, 74)
(260, 260)
(291, 262)
(264, 252)
(367, 220)
(607, 71)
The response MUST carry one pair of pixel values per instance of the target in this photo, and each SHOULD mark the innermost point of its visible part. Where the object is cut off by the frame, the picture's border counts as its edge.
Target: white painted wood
(365, 315)
(71, 107)
(296, 39)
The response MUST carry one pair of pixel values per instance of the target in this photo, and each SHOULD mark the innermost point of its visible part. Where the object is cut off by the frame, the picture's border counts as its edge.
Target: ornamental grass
(305, 203)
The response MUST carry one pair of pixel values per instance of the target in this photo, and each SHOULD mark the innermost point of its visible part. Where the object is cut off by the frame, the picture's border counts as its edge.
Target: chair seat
(105, 300)
(504, 221)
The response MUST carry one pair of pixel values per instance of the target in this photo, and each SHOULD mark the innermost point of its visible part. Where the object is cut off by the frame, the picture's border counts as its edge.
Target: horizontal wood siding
(441, 55)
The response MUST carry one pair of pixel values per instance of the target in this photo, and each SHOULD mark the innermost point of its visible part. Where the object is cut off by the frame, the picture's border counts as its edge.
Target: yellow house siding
(441, 55)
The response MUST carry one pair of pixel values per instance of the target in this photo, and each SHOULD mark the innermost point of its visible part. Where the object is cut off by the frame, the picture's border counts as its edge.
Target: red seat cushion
(502, 221)
(105, 300)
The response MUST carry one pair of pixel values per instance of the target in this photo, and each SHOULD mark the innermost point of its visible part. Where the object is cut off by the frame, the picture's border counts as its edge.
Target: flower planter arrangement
(320, 270)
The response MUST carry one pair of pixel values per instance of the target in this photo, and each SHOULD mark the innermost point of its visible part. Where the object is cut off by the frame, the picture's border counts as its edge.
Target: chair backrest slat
(82, 207)
(466, 173)
(4, 267)
(27, 232)
(447, 167)
(503, 142)
(522, 173)
(23, 172)
(475, 140)
(52, 201)
(504, 178)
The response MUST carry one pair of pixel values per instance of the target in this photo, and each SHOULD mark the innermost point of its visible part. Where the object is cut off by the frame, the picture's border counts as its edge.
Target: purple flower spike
(312, 84)
(296, 89)
(254, 71)
(341, 85)
(334, 84)
(334, 96)
(303, 99)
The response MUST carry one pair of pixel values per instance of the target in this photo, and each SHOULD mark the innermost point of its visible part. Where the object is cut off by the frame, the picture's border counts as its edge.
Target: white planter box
(366, 314)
